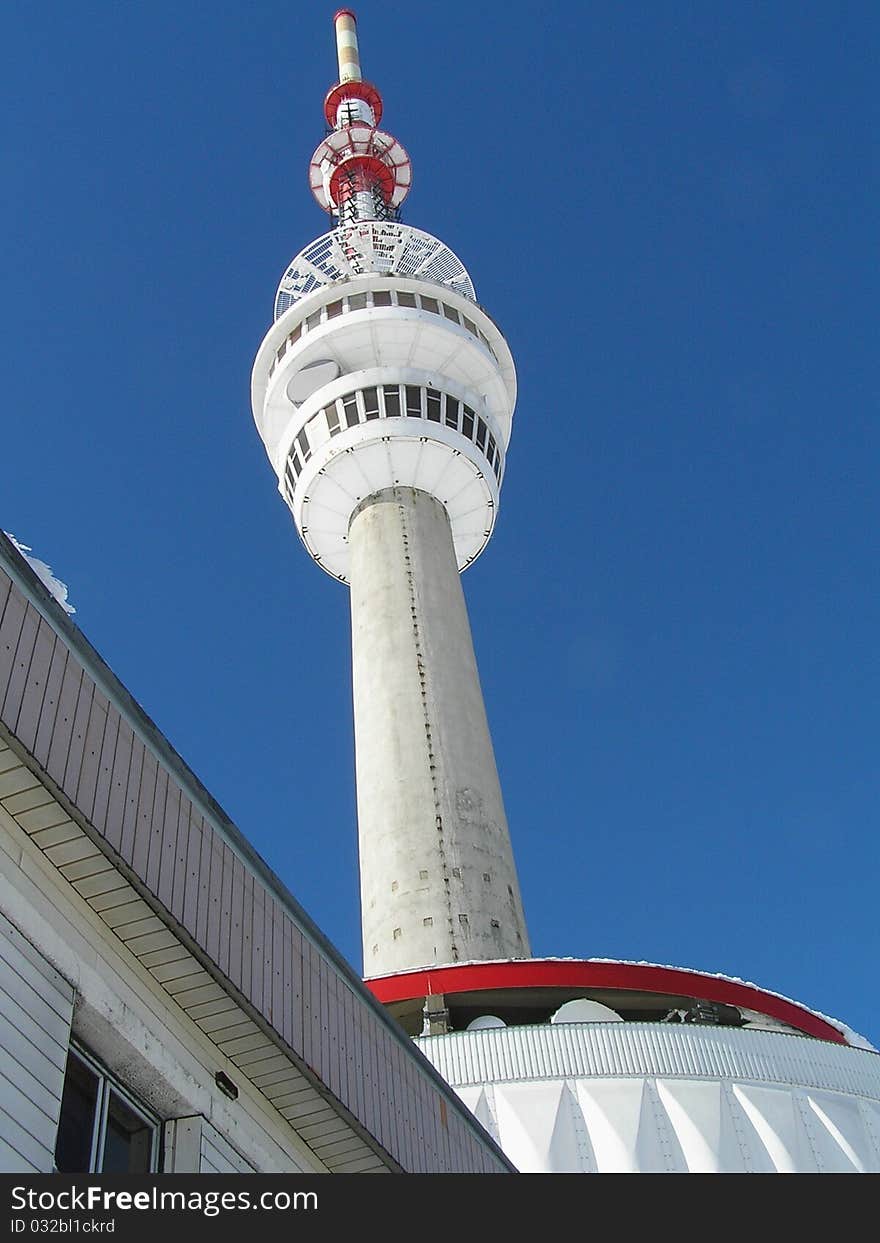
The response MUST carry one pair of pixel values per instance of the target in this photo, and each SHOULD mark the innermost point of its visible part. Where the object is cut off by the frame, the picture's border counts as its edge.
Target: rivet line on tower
(423, 688)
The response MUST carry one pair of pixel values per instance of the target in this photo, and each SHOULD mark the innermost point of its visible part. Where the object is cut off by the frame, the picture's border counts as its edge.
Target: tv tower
(384, 395)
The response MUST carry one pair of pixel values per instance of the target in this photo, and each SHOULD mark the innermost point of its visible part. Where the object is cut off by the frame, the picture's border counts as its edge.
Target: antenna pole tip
(347, 46)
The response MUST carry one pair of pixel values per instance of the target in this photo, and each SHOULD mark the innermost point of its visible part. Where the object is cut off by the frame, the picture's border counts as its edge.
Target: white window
(102, 1128)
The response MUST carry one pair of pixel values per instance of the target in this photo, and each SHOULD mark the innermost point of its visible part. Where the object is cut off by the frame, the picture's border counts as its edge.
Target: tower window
(350, 409)
(303, 442)
(382, 297)
(481, 434)
(294, 335)
(433, 405)
(371, 403)
(334, 309)
(428, 921)
(452, 412)
(470, 325)
(332, 418)
(467, 422)
(450, 313)
(282, 350)
(313, 320)
(357, 302)
(391, 393)
(413, 402)
(423, 874)
(406, 299)
(430, 304)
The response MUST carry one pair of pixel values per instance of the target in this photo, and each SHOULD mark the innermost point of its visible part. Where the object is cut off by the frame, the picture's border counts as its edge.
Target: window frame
(109, 1085)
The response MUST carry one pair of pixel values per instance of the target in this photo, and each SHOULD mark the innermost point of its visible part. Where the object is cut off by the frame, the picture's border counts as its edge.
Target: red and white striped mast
(358, 172)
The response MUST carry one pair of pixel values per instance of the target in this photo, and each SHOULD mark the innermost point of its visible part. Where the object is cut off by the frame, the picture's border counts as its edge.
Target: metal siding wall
(36, 1007)
(128, 821)
(11, 622)
(225, 907)
(49, 704)
(91, 763)
(118, 794)
(24, 650)
(76, 751)
(157, 832)
(218, 1156)
(62, 731)
(166, 853)
(35, 687)
(106, 765)
(5, 589)
(215, 889)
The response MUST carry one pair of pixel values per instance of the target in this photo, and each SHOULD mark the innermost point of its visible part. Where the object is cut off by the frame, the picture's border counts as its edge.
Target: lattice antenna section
(358, 172)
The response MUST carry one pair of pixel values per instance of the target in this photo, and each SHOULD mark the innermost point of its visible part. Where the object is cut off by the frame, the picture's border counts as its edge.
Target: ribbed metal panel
(581, 1098)
(563, 1051)
(36, 1006)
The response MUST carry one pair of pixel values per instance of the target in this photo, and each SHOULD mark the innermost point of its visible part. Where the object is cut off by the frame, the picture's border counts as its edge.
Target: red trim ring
(352, 90)
(560, 973)
(361, 172)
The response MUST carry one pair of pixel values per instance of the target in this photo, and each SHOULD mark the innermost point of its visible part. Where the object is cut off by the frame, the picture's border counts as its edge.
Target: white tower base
(438, 880)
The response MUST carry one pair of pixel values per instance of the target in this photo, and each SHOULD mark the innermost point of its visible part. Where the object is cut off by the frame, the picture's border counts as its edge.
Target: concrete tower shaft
(384, 395)
(438, 881)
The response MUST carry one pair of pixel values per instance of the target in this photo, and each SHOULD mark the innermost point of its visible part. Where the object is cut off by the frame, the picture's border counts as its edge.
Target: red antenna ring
(365, 170)
(342, 91)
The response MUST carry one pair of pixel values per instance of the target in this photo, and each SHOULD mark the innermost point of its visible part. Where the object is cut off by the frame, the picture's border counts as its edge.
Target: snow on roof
(53, 585)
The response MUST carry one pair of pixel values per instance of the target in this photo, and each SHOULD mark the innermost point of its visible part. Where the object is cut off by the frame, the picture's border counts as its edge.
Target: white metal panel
(666, 1050)
(778, 1127)
(36, 1007)
(642, 1097)
(218, 1156)
(838, 1136)
(539, 1125)
(704, 1126)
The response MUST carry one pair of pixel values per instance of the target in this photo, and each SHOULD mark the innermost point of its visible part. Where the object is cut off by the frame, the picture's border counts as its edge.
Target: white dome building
(615, 1067)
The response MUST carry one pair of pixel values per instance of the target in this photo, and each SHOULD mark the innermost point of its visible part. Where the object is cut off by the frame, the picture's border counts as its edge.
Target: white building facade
(613, 1067)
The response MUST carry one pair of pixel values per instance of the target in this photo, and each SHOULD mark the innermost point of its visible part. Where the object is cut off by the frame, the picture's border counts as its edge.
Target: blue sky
(670, 210)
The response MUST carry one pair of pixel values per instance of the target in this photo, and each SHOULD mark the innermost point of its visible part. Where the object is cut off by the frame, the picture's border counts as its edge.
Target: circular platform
(530, 990)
